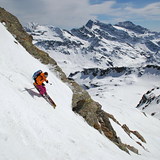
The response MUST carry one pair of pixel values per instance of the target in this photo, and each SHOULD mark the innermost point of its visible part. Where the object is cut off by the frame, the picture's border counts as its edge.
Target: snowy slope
(31, 129)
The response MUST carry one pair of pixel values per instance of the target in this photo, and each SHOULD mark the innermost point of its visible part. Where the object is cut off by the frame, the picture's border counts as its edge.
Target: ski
(47, 98)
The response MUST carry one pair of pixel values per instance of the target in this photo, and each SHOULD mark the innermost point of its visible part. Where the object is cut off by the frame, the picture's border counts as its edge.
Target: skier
(42, 77)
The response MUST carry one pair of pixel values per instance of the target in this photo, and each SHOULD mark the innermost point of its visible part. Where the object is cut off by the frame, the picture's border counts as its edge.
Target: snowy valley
(31, 129)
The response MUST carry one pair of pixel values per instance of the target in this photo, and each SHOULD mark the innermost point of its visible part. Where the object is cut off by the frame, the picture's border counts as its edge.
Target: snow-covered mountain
(98, 44)
(99, 53)
(31, 129)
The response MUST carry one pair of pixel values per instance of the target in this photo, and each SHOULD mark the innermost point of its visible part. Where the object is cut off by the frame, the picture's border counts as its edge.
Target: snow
(31, 129)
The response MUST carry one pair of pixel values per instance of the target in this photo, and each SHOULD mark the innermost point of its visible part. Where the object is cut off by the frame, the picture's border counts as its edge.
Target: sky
(68, 14)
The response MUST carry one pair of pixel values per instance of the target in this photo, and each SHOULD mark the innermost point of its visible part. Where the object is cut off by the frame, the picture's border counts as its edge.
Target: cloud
(75, 13)
(149, 11)
(66, 14)
(102, 8)
(60, 13)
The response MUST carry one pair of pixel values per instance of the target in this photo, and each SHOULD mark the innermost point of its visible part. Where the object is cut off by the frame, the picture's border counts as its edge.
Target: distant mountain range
(106, 45)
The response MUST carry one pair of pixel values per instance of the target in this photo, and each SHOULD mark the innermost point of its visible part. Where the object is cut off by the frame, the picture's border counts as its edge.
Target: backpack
(36, 74)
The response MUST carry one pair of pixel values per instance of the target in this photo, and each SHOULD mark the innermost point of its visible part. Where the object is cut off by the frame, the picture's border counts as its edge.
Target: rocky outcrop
(149, 102)
(148, 98)
(128, 131)
(99, 73)
(92, 73)
(81, 102)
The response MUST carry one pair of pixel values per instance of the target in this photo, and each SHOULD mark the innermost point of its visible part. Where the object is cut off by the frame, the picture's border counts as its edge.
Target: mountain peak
(131, 26)
(90, 23)
(126, 24)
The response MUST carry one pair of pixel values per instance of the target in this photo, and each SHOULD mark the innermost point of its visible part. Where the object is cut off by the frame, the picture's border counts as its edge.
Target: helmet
(46, 74)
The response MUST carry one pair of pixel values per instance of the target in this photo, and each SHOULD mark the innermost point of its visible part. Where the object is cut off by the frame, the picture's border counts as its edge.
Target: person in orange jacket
(39, 83)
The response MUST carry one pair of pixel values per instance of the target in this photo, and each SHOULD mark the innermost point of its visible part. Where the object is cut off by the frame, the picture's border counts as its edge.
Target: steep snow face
(28, 123)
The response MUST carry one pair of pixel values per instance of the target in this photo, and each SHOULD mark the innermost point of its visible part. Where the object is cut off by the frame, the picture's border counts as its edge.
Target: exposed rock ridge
(116, 71)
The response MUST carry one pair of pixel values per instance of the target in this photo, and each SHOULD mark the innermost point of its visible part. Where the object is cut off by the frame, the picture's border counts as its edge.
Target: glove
(47, 81)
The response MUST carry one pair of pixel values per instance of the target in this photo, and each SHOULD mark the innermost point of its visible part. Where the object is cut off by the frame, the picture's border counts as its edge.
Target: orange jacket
(40, 79)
